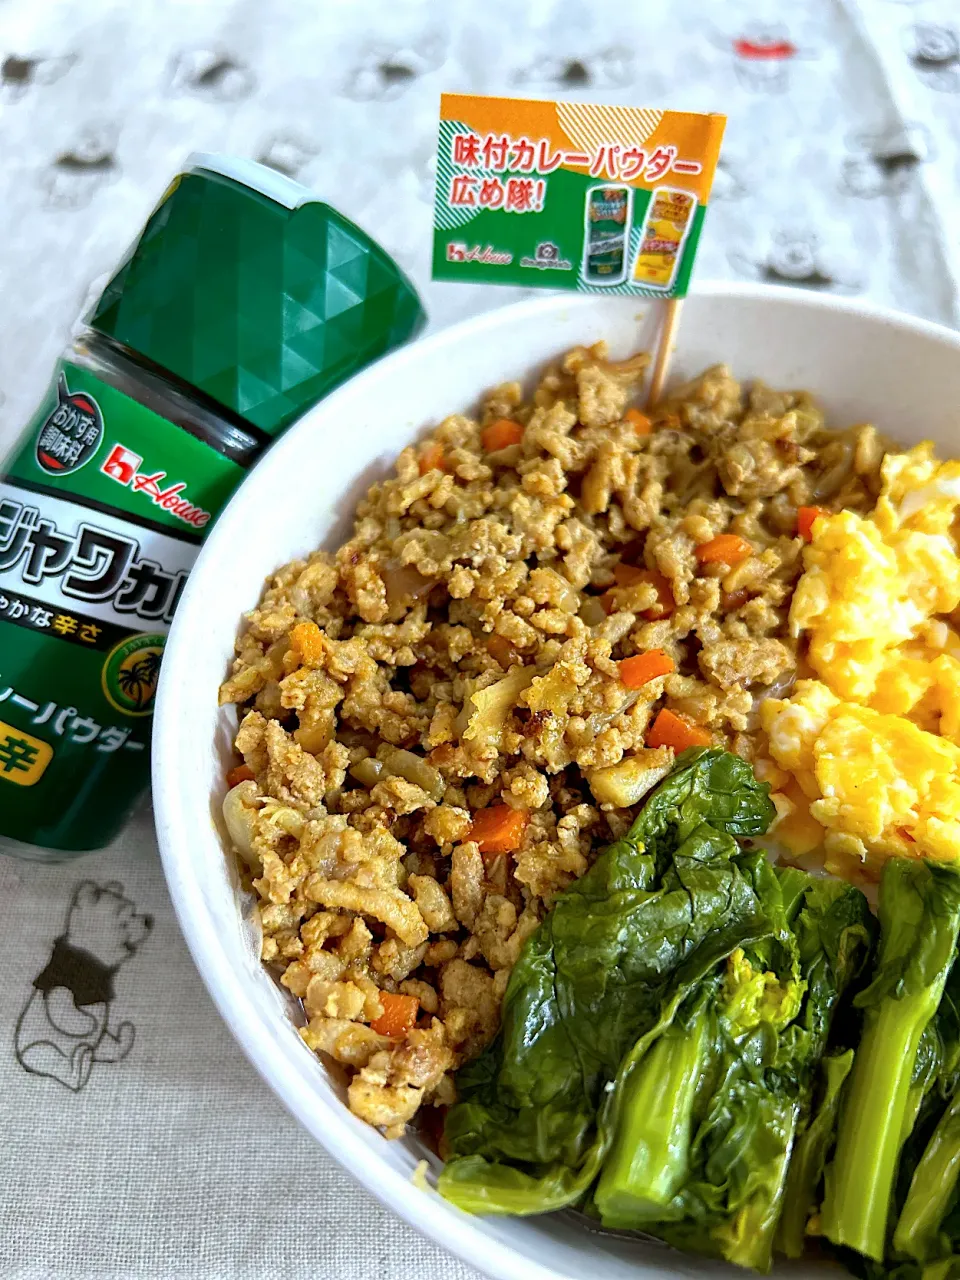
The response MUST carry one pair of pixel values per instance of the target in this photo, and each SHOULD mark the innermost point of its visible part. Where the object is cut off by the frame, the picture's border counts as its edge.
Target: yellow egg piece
(872, 584)
(882, 784)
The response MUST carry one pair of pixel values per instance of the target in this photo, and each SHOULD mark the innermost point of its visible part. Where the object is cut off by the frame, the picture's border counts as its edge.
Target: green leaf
(933, 1191)
(809, 1159)
(731, 1202)
(657, 912)
(919, 913)
(706, 785)
(836, 935)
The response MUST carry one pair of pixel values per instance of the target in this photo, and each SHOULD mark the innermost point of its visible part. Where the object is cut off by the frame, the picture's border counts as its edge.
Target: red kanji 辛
(522, 155)
(491, 193)
(547, 160)
(606, 159)
(659, 163)
(463, 190)
(495, 152)
(632, 162)
(466, 149)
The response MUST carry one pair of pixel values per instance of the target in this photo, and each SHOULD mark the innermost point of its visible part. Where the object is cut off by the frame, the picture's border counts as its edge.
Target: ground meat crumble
(460, 652)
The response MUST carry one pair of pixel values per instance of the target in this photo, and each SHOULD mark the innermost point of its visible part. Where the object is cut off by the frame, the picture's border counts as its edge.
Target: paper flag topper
(567, 195)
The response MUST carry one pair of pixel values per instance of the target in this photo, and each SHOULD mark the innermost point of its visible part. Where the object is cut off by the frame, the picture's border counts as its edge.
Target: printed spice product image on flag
(567, 195)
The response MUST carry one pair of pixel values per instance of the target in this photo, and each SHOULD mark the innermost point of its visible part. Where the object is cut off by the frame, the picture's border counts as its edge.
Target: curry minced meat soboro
(446, 720)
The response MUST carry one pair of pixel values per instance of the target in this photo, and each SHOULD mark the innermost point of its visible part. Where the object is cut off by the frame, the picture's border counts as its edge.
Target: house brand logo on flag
(567, 195)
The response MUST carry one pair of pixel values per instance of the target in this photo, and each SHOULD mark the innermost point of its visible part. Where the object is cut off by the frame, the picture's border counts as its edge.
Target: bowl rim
(441, 1222)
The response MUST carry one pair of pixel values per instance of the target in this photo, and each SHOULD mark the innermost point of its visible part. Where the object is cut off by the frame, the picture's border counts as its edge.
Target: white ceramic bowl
(864, 364)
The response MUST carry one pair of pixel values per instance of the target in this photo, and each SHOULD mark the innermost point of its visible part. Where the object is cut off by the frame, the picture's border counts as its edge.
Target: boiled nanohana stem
(747, 1239)
(647, 1162)
(919, 920)
(860, 1180)
(809, 1157)
(931, 1189)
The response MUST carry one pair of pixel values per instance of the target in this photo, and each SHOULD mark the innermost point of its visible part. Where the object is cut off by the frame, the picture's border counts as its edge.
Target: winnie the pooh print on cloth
(934, 53)
(763, 54)
(795, 256)
(65, 1025)
(884, 162)
(77, 173)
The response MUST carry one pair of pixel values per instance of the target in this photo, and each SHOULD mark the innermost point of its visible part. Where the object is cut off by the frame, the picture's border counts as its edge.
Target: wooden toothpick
(668, 337)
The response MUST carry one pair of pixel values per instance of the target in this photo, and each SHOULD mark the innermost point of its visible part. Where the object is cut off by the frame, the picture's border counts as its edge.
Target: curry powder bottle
(243, 302)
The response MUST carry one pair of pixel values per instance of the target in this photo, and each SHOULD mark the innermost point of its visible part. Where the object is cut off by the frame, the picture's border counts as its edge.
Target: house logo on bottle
(123, 465)
(71, 434)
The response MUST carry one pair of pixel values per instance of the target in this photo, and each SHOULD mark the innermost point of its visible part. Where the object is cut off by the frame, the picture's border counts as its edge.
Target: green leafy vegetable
(809, 1158)
(925, 1202)
(836, 935)
(932, 1192)
(745, 1125)
(649, 1157)
(919, 920)
(687, 1049)
(755, 1098)
(604, 976)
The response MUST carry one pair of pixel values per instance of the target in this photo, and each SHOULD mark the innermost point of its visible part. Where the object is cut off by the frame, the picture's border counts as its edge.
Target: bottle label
(103, 508)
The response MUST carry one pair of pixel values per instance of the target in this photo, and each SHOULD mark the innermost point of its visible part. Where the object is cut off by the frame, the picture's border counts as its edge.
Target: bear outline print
(64, 1027)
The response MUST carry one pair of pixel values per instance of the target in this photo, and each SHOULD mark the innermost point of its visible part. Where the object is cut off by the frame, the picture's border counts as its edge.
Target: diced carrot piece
(725, 548)
(639, 670)
(432, 458)
(501, 434)
(626, 575)
(499, 829)
(639, 421)
(399, 1014)
(805, 519)
(671, 730)
(240, 773)
(306, 640)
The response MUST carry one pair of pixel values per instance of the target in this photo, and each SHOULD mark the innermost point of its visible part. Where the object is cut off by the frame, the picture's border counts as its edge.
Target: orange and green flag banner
(569, 195)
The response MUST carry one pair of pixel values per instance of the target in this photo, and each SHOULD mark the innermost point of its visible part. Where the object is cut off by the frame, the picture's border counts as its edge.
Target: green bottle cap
(246, 286)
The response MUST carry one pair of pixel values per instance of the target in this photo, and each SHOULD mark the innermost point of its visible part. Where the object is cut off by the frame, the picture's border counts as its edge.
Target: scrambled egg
(865, 760)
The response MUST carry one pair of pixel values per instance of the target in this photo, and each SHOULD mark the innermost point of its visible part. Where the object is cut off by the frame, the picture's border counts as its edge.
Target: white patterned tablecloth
(840, 171)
